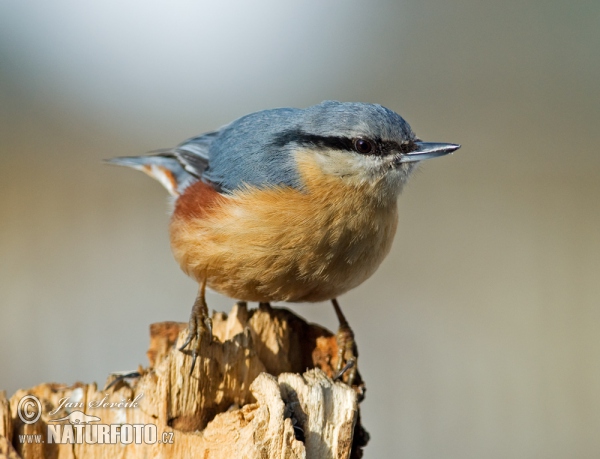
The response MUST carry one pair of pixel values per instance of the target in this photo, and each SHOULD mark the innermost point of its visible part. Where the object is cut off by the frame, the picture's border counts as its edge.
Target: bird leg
(200, 324)
(347, 360)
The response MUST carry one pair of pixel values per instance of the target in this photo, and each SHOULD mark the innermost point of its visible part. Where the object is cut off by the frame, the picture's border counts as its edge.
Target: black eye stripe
(300, 137)
(380, 147)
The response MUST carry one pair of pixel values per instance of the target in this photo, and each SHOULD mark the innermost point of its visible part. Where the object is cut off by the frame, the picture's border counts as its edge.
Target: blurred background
(479, 335)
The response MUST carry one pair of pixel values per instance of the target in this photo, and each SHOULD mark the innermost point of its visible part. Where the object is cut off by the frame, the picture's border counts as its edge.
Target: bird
(288, 205)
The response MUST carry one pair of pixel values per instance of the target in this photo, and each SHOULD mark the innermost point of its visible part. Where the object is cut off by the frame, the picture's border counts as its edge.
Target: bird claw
(122, 376)
(340, 373)
(199, 327)
(347, 357)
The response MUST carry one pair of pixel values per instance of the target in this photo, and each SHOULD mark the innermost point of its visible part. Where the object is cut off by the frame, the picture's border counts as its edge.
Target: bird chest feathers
(281, 243)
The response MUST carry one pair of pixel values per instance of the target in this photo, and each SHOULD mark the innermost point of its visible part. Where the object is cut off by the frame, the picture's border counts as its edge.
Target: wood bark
(261, 389)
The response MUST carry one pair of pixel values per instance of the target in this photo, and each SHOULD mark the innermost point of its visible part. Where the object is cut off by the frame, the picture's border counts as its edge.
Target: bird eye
(363, 146)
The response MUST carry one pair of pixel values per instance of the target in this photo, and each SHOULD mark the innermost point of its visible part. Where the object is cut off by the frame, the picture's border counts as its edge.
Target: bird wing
(193, 154)
(240, 154)
(175, 168)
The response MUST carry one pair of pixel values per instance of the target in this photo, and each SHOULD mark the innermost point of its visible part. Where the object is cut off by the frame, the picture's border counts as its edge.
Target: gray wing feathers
(175, 168)
(163, 167)
(193, 154)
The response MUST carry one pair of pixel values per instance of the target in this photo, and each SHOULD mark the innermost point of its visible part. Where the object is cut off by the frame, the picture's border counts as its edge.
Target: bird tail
(164, 168)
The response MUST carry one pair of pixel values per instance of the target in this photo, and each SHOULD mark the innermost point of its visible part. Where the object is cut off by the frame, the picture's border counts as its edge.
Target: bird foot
(199, 327)
(347, 357)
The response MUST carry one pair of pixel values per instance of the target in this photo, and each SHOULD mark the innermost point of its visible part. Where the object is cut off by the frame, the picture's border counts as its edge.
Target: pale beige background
(479, 336)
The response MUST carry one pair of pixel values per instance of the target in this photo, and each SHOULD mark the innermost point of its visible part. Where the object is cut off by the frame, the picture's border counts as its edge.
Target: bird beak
(428, 150)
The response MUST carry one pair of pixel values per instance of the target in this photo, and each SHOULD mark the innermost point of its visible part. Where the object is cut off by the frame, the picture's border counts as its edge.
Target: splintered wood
(261, 389)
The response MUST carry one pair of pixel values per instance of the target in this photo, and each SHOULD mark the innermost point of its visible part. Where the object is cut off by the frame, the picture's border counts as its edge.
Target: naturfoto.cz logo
(78, 427)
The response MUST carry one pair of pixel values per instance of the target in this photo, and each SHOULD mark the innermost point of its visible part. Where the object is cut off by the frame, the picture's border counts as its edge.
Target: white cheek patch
(350, 165)
(354, 169)
(359, 170)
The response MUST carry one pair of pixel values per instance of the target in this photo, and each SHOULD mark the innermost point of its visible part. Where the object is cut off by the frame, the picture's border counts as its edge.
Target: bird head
(362, 144)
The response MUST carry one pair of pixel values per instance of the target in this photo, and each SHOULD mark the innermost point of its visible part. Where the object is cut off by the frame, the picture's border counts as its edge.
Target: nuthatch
(288, 204)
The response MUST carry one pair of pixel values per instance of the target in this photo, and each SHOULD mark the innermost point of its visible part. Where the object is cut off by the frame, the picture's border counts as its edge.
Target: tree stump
(261, 389)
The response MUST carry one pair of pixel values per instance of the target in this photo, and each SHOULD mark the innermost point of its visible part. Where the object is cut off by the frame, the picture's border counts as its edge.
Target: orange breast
(283, 244)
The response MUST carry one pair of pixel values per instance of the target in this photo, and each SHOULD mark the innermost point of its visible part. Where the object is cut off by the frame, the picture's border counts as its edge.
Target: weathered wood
(261, 389)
